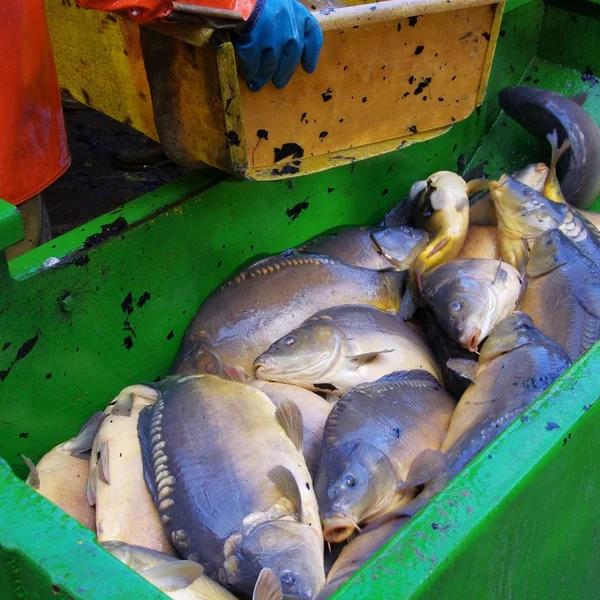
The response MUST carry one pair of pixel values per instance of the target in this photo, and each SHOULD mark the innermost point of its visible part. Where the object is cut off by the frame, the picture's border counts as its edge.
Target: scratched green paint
(114, 311)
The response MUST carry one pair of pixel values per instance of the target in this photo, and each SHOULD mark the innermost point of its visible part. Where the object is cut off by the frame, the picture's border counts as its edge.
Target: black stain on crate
(107, 231)
(588, 76)
(413, 128)
(143, 299)
(419, 50)
(233, 139)
(323, 134)
(460, 163)
(422, 85)
(170, 335)
(327, 95)
(303, 117)
(128, 342)
(27, 347)
(294, 212)
(285, 170)
(24, 434)
(552, 425)
(288, 149)
(412, 21)
(486, 35)
(6, 346)
(262, 134)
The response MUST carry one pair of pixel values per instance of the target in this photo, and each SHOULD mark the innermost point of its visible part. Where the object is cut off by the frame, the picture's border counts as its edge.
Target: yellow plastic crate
(390, 74)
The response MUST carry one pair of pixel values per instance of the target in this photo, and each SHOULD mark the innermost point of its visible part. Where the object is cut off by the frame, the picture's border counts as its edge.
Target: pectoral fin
(464, 367)
(33, 479)
(102, 457)
(84, 440)
(90, 486)
(235, 374)
(173, 575)
(408, 306)
(367, 357)
(123, 406)
(267, 586)
(203, 588)
(288, 415)
(477, 185)
(284, 479)
(589, 298)
(427, 465)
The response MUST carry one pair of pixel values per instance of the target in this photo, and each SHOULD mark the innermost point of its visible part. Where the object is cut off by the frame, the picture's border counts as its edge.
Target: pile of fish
(326, 394)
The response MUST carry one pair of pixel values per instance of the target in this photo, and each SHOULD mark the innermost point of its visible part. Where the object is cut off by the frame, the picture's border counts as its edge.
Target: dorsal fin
(268, 586)
(288, 415)
(33, 479)
(284, 479)
(84, 440)
(144, 437)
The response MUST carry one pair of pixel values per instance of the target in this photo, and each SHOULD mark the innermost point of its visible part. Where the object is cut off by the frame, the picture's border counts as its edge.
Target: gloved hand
(278, 35)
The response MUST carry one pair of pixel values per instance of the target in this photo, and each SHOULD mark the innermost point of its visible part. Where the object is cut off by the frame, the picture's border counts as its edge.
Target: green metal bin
(521, 522)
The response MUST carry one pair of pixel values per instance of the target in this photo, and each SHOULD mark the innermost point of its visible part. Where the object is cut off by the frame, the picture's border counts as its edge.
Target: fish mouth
(472, 340)
(263, 365)
(338, 529)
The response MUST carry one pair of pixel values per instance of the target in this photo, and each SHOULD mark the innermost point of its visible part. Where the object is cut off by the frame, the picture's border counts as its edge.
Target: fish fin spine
(290, 418)
(268, 586)
(284, 479)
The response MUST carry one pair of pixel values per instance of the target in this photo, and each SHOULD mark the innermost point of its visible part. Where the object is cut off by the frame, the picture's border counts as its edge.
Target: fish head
(551, 250)
(464, 307)
(534, 175)
(517, 204)
(353, 482)
(292, 550)
(197, 357)
(400, 245)
(303, 356)
(443, 191)
(512, 332)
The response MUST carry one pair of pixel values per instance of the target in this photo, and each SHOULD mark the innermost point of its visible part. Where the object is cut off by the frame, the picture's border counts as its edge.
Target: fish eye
(288, 578)
(290, 340)
(349, 481)
(456, 306)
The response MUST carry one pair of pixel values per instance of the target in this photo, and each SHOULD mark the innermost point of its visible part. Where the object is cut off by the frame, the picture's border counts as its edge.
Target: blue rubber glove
(278, 35)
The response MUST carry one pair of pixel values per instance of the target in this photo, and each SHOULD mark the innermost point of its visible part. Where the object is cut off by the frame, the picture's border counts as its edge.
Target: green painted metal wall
(519, 525)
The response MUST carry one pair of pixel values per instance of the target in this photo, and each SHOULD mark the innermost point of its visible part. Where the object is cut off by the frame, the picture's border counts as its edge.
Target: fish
(356, 553)
(61, 475)
(441, 209)
(524, 214)
(563, 293)
(481, 242)
(481, 209)
(314, 409)
(540, 112)
(444, 349)
(239, 321)
(371, 437)
(517, 364)
(378, 248)
(469, 296)
(185, 580)
(225, 469)
(137, 558)
(124, 509)
(339, 348)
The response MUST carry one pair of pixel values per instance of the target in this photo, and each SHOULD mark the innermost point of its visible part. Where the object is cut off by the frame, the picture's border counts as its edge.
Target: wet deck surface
(92, 186)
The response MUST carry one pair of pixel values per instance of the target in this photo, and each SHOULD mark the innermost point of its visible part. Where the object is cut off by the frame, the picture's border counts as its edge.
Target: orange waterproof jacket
(33, 142)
